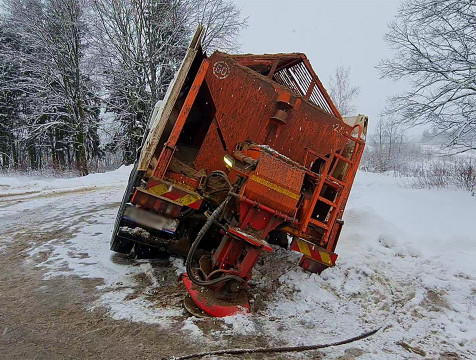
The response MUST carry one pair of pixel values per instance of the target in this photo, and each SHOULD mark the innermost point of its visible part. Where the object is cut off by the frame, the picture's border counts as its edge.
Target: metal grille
(298, 79)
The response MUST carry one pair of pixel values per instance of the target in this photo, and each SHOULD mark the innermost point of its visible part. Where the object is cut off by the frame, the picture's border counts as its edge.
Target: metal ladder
(341, 186)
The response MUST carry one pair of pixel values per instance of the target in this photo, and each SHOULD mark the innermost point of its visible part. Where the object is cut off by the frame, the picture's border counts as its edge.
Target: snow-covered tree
(387, 143)
(61, 107)
(9, 100)
(62, 60)
(141, 44)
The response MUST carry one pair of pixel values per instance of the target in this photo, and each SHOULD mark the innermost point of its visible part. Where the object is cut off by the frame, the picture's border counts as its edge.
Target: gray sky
(331, 33)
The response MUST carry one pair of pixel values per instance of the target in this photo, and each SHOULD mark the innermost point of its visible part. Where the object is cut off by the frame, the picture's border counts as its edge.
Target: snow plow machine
(244, 151)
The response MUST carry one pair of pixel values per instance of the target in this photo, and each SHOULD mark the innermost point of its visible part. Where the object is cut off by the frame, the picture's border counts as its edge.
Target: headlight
(229, 161)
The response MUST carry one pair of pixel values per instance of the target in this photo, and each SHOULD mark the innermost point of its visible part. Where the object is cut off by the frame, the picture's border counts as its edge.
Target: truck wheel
(121, 245)
(142, 251)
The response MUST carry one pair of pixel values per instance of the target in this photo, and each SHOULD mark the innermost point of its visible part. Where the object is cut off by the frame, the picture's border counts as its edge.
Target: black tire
(142, 251)
(121, 245)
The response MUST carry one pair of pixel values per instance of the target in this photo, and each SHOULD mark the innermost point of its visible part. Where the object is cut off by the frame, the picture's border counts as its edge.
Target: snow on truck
(245, 151)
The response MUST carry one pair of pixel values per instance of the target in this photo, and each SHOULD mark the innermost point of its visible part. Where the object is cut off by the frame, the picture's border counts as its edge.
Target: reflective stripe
(303, 248)
(188, 199)
(312, 251)
(159, 189)
(275, 187)
(177, 195)
(325, 257)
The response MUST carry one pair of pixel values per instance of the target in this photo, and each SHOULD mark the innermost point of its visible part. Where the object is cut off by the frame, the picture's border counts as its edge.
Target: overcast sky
(331, 33)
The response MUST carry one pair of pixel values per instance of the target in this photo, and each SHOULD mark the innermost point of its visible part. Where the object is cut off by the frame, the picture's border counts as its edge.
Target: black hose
(280, 349)
(195, 244)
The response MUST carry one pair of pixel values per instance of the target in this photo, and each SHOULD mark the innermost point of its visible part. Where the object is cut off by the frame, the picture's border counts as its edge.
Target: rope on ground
(281, 349)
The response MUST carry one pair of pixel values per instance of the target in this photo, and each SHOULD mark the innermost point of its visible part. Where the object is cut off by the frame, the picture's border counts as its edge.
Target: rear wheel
(118, 243)
(141, 251)
(121, 245)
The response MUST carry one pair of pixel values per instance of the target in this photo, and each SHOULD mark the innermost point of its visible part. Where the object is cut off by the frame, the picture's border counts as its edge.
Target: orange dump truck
(244, 151)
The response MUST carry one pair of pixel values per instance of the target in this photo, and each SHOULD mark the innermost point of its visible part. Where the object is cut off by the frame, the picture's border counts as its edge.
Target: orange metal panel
(275, 184)
(169, 148)
(246, 101)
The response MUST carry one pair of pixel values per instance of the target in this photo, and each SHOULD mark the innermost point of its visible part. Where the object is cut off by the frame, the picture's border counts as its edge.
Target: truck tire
(120, 244)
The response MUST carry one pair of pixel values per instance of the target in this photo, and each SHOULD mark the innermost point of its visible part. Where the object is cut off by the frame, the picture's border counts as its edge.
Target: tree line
(79, 78)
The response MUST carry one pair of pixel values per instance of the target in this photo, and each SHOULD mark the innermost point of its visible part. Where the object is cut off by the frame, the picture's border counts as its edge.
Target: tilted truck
(244, 151)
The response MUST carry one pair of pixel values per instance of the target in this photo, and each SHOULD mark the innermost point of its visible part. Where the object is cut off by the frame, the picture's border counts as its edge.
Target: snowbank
(19, 185)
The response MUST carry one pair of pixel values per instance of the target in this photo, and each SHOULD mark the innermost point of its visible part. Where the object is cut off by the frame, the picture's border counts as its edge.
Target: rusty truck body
(244, 151)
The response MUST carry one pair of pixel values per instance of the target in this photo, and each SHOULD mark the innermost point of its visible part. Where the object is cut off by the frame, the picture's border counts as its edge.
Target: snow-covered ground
(406, 264)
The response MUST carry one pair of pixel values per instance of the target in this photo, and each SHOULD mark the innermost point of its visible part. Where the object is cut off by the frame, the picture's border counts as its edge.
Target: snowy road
(406, 263)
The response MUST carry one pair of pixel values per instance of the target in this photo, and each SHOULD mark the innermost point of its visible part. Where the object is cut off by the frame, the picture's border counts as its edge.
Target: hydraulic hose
(220, 174)
(195, 244)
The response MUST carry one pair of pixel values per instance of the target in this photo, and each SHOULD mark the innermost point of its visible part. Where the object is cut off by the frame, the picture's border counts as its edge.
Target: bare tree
(221, 20)
(387, 148)
(435, 50)
(342, 92)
